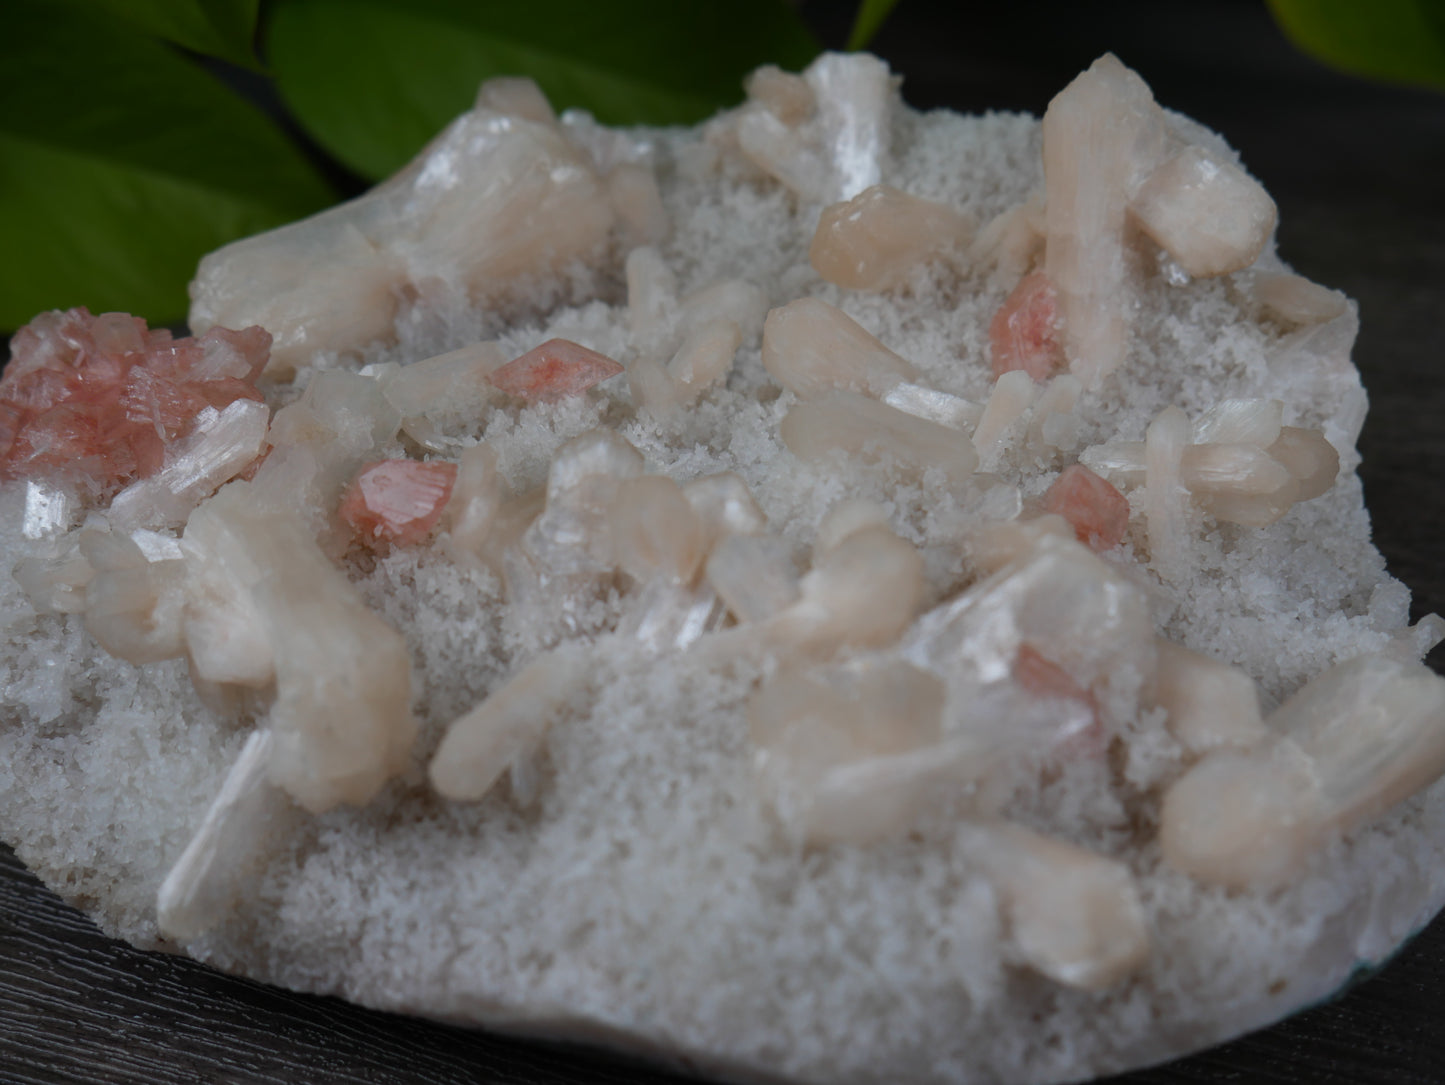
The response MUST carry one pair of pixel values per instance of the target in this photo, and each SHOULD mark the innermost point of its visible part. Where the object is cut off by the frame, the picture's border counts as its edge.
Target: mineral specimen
(940, 641)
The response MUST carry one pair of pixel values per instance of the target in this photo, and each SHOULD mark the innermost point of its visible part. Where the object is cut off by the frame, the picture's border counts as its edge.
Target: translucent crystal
(869, 429)
(54, 575)
(554, 370)
(651, 297)
(1239, 421)
(1210, 704)
(1352, 743)
(508, 726)
(655, 532)
(670, 617)
(834, 151)
(572, 535)
(442, 392)
(812, 348)
(49, 509)
(1206, 212)
(1074, 916)
(1102, 133)
(1054, 424)
(1074, 609)
(397, 501)
(995, 545)
(1027, 333)
(933, 405)
(492, 198)
(1310, 459)
(874, 240)
(219, 863)
(221, 445)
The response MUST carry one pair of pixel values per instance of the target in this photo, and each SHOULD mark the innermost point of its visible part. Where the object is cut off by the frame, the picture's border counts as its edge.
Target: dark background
(1356, 169)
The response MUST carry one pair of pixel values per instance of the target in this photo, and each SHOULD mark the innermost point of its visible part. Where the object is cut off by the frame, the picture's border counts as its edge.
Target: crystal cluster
(927, 598)
(96, 401)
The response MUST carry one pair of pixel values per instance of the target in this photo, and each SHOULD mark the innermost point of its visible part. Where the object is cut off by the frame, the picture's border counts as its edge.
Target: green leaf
(1401, 41)
(373, 80)
(871, 16)
(215, 28)
(121, 164)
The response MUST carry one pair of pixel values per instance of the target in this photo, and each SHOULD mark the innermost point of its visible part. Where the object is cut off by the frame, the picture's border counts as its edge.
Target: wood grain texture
(1356, 170)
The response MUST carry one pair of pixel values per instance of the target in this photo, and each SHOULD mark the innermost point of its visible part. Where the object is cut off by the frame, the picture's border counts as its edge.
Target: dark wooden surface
(1357, 171)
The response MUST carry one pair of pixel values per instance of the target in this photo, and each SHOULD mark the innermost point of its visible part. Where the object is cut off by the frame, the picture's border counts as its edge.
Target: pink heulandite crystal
(1098, 513)
(397, 501)
(1026, 332)
(99, 398)
(554, 370)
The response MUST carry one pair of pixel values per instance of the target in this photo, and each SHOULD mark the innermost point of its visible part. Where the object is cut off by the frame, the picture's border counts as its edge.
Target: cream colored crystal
(1164, 499)
(1013, 240)
(705, 357)
(835, 150)
(516, 96)
(441, 392)
(844, 519)
(725, 506)
(1210, 704)
(572, 536)
(632, 188)
(1205, 212)
(995, 545)
(876, 239)
(472, 510)
(655, 532)
(1293, 299)
(812, 348)
(1353, 742)
(854, 758)
(737, 300)
(1054, 423)
(844, 421)
(786, 95)
(864, 592)
(1073, 915)
(508, 726)
(133, 605)
(492, 198)
(1012, 395)
(1102, 134)
(755, 575)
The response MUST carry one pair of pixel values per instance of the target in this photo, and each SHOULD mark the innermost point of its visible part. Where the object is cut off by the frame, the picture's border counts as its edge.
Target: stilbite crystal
(812, 348)
(874, 240)
(844, 421)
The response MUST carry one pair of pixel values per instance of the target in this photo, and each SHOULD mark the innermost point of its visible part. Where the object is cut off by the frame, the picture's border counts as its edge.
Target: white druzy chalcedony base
(665, 862)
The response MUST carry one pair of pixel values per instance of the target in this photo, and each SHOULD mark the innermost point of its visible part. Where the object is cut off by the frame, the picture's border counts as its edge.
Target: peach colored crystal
(1025, 332)
(397, 501)
(98, 399)
(554, 370)
(1098, 513)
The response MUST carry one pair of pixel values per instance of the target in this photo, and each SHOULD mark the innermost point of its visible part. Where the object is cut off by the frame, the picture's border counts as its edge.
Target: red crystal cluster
(96, 399)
